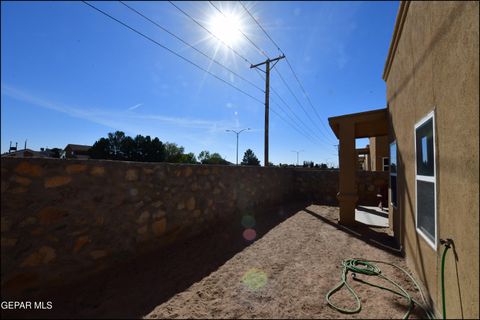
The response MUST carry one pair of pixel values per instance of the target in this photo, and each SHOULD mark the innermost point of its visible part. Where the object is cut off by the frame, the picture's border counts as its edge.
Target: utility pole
(297, 154)
(267, 96)
(237, 133)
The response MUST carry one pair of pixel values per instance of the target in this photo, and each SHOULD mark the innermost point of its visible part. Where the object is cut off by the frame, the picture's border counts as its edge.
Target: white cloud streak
(126, 121)
(135, 106)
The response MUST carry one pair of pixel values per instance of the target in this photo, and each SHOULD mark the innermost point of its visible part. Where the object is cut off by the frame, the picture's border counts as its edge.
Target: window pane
(426, 208)
(393, 190)
(393, 157)
(425, 163)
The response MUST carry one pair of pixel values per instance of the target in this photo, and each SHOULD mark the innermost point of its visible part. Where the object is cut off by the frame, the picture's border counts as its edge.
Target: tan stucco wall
(378, 150)
(435, 68)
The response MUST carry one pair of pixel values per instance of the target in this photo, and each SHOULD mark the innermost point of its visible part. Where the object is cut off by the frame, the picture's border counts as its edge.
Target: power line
(280, 116)
(305, 133)
(171, 51)
(253, 43)
(229, 47)
(211, 33)
(293, 113)
(298, 101)
(306, 95)
(191, 46)
(245, 8)
(263, 52)
(289, 65)
(185, 59)
(305, 127)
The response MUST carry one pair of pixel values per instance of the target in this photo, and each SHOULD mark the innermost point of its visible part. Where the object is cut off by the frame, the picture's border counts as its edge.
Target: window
(425, 181)
(386, 164)
(393, 173)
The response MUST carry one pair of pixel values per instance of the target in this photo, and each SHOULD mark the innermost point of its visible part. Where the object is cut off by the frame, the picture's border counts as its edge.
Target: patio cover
(347, 128)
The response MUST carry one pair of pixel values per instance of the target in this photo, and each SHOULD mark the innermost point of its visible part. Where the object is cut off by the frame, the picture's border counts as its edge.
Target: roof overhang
(362, 151)
(367, 124)
(397, 32)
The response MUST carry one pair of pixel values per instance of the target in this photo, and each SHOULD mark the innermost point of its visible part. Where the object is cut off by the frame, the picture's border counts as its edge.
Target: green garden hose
(447, 244)
(369, 268)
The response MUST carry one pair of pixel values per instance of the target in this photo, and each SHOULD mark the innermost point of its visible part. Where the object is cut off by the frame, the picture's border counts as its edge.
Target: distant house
(376, 154)
(75, 151)
(25, 153)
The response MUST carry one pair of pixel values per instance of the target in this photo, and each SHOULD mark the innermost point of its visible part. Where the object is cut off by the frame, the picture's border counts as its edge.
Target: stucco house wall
(378, 151)
(433, 66)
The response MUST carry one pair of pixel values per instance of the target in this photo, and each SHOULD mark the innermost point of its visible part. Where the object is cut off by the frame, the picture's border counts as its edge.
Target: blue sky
(71, 75)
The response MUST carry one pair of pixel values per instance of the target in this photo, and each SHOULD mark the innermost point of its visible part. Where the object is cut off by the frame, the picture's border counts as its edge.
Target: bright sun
(226, 27)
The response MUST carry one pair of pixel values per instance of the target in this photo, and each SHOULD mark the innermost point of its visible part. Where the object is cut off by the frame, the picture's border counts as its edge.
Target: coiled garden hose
(369, 268)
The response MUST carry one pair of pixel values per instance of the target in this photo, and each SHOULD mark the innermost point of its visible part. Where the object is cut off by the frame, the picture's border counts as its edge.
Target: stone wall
(64, 219)
(321, 186)
(369, 185)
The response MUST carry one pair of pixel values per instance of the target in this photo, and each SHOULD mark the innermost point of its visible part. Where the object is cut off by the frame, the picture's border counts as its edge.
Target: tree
(203, 156)
(206, 158)
(118, 146)
(216, 158)
(188, 158)
(156, 152)
(115, 140)
(308, 164)
(250, 159)
(128, 149)
(173, 153)
(100, 149)
(54, 152)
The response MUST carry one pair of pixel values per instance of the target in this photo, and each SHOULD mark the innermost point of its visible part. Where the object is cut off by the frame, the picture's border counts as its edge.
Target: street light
(297, 154)
(237, 133)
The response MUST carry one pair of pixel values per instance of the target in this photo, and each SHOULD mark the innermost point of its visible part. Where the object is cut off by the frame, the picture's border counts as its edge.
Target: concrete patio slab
(372, 216)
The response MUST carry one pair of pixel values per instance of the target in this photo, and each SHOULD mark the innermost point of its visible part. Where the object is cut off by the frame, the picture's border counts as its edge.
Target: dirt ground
(284, 272)
(287, 273)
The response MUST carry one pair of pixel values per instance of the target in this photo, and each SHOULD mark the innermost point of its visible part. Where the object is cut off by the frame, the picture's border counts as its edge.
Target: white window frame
(393, 174)
(433, 179)
(383, 164)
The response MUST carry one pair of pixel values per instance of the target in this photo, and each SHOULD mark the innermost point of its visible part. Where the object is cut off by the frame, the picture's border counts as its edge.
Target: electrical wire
(280, 116)
(278, 47)
(173, 52)
(246, 37)
(298, 101)
(291, 68)
(186, 60)
(294, 114)
(235, 52)
(191, 46)
(305, 133)
(211, 33)
(307, 96)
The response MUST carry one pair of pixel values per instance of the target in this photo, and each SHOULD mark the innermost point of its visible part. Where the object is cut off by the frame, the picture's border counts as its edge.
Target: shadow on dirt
(134, 288)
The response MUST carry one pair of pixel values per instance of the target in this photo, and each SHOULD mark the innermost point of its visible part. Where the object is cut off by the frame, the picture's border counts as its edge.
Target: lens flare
(254, 279)
(248, 221)
(249, 234)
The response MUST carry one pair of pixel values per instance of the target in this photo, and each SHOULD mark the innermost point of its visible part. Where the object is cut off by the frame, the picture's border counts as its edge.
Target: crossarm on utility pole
(269, 60)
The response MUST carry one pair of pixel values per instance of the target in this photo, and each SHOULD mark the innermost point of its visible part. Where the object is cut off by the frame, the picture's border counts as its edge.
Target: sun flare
(226, 27)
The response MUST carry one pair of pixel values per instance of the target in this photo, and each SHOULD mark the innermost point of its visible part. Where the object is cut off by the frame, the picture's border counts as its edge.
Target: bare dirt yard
(284, 272)
(287, 273)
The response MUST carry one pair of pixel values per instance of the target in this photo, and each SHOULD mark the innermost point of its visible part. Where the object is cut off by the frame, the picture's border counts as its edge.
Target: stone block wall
(64, 219)
(318, 186)
(371, 183)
